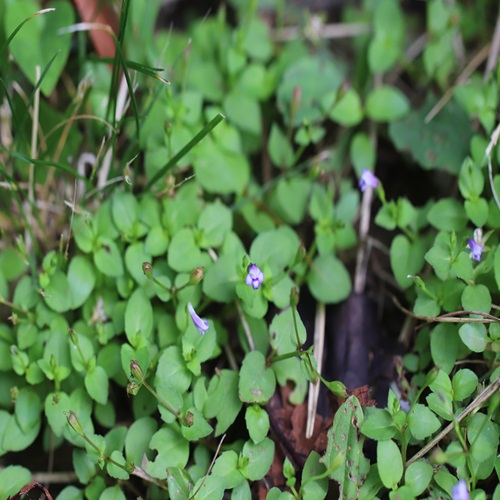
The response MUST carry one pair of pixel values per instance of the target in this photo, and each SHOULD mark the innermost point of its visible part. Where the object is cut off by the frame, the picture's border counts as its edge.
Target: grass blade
(188, 147)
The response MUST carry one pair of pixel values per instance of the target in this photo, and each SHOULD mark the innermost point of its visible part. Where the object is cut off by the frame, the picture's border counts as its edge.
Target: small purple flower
(201, 324)
(255, 276)
(460, 491)
(368, 179)
(476, 250)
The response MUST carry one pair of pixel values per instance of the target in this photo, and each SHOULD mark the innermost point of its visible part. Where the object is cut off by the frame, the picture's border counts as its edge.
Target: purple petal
(476, 250)
(368, 179)
(255, 276)
(460, 491)
(199, 323)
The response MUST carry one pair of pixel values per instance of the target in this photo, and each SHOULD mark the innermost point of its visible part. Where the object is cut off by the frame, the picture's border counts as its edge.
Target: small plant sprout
(460, 491)
(368, 179)
(255, 277)
(199, 323)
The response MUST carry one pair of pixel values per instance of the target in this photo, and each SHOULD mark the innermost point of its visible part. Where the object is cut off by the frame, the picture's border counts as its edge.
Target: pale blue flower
(368, 179)
(255, 277)
(199, 323)
(476, 250)
(460, 491)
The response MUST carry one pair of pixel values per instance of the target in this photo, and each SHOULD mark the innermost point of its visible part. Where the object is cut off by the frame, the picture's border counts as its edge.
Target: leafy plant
(166, 209)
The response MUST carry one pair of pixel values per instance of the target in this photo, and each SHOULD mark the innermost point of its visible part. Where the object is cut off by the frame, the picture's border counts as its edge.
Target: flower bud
(73, 420)
(73, 336)
(136, 370)
(147, 269)
(133, 388)
(196, 275)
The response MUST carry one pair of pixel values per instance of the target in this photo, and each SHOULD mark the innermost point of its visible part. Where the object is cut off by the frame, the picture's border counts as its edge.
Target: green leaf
(12, 264)
(476, 298)
(344, 457)
(482, 435)
(36, 44)
(257, 41)
(390, 463)
(385, 104)
(447, 215)
(211, 487)
(406, 258)
(441, 404)
(226, 467)
(215, 221)
(184, 254)
(108, 259)
(173, 451)
(111, 493)
(277, 247)
(464, 384)
(474, 336)
(257, 421)
(12, 479)
(362, 152)
(138, 317)
(279, 147)
(221, 278)
(386, 47)
(257, 459)
(315, 77)
(220, 171)
(125, 211)
(56, 405)
(313, 486)
(378, 425)
(179, 483)
(135, 255)
(194, 426)
(244, 112)
(223, 401)
(477, 210)
(444, 346)
(96, 383)
(172, 370)
(282, 332)
(85, 468)
(418, 476)
(28, 409)
(81, 280)
(57, 294)
(434, 144)
(329, 280)
(347, 110)
(138, 437)
(17, 439)
(422, 422)
(257, 383)
(114, 470)
(291, 197)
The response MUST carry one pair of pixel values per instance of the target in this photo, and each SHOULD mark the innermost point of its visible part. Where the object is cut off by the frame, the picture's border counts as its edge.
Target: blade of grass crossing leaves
(141, 68)
(46, 163)
(188, 147)
(16, 31)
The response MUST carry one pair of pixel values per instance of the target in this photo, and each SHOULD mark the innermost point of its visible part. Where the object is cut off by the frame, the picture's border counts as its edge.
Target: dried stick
(319, 347)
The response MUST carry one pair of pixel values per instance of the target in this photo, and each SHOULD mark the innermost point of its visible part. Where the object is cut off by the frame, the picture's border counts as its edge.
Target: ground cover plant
(242, 260)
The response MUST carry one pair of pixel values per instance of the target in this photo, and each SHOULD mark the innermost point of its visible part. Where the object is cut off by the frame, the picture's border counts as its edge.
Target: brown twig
(449, 317)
